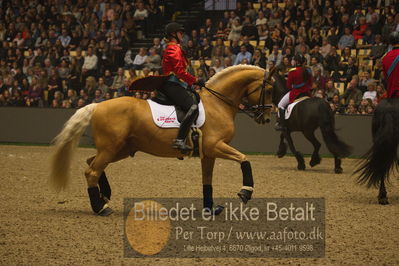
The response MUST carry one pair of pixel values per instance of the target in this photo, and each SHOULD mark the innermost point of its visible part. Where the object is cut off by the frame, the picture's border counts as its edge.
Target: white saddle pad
(165, 116)
(291, 106)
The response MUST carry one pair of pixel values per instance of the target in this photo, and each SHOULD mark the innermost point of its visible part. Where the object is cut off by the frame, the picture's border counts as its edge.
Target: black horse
(307, 116)
(380, 160)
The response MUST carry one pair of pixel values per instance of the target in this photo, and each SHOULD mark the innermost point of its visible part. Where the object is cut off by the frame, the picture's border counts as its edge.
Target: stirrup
(180, 144)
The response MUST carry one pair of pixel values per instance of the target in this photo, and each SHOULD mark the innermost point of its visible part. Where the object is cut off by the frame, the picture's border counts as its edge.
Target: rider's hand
(199, 83)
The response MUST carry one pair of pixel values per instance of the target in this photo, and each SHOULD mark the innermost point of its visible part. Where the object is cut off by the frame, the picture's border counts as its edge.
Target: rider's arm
(177, 59)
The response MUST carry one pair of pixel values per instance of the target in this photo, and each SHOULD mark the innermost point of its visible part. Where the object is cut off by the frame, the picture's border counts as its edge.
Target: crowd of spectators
(69, 53)
(73, 52)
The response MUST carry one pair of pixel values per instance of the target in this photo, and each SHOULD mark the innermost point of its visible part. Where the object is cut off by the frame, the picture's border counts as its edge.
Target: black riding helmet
(173, 27)
(394, 38)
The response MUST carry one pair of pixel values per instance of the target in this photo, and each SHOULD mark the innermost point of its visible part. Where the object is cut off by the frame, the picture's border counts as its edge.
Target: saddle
(155, 83)
(161, 114)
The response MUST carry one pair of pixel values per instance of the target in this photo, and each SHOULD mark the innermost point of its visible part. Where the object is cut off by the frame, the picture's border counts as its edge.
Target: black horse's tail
(327, 123)
(382, 157)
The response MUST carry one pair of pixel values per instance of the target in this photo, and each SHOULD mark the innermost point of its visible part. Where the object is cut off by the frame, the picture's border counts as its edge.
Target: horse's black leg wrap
(207, 193)
(247, 174)
(248, 183)
(105, 188)
(97, 203)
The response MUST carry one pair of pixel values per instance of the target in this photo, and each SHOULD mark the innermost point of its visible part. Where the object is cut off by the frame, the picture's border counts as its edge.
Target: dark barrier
(41, 125)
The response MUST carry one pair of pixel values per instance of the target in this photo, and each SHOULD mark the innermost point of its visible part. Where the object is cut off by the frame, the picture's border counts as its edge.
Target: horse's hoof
(338, 170)
(383, 201)
(105, 212)
(245, 195)
(315, 162)
(301, 167)
(282, 151)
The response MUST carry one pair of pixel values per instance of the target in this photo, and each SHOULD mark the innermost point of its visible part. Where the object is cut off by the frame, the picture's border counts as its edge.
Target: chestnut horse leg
(207, 165)
(105, 188)
(222, 150)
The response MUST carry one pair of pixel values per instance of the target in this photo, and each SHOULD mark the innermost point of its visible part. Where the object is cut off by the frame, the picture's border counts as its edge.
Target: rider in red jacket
(174, 64)
(299, 83)
(390, 66)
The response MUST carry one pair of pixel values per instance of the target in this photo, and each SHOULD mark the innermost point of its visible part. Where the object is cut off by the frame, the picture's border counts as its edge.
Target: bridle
(257, 111)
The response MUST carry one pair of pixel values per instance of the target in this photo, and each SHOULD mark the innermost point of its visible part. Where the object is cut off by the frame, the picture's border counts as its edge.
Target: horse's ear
(271, 73)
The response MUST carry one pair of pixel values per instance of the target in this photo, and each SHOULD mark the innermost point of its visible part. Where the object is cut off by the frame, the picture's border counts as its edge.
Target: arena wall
(41, 125)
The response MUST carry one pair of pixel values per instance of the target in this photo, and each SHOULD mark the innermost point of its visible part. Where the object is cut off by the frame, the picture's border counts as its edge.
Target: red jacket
(296, 84)
(174, 61)
(393, 79)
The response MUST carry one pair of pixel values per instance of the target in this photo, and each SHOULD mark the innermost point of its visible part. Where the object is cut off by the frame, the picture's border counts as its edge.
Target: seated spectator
(153, 60)
(360, 29)
(365, 81)
(330, 90)
(378, 49)
(249, 30)
(71, 97)
(275, 56)
(258, 59)
(118, 80)
(191, 51)
(368, 38)
(261, 20)
(349, 69)
(139, 59)
(35, 94)
(90, 63)
(140, 16)
(64, 38)
(108, 78)
(347, 40)
(201, 75)
(371, 92)
(319, 78)
(97, 96)
(235, 33)
(16, 99)
(351, 109)
(315, 65)
(212, 72)
(274, 20)
(63, 70)
(336, 102)
(66, 104)
(90, 87)
(244, 54)
(364, 104)
(102, 86)
(217, 65)
(352, 93)
(205, 50)
(284, 67)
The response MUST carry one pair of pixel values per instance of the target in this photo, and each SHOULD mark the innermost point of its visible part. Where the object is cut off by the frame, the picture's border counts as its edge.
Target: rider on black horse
(390, 66)
(299, 83)
(174, 63)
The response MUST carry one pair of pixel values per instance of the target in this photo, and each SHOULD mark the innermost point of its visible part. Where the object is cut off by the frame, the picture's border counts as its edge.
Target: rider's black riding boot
(179, 143)
(281, 122)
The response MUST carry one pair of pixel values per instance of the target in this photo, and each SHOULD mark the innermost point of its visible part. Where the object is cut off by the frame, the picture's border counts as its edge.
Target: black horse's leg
(315, 160)
(282, 148)
(382, 195)
(337, 168)
(298, 155)
(207, 165)
(105, 188)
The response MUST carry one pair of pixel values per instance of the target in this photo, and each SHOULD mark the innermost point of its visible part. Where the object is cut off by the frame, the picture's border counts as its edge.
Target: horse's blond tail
(65, 144)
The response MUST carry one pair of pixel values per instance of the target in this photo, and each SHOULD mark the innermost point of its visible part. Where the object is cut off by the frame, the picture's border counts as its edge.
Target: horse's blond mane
(230, 70)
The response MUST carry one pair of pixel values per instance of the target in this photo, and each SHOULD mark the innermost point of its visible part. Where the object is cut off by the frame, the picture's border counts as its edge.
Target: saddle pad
(165, 116)
(291, 106)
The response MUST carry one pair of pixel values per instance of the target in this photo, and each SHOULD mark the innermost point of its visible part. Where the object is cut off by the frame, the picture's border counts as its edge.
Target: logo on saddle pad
(291, 106)
(165, 116)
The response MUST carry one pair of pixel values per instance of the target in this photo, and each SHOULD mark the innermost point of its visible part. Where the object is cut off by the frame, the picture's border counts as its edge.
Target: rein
(256, 111)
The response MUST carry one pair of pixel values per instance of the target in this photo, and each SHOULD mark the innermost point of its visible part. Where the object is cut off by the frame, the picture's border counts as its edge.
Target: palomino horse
(123, 126)
(306, 117)
(382, 157)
